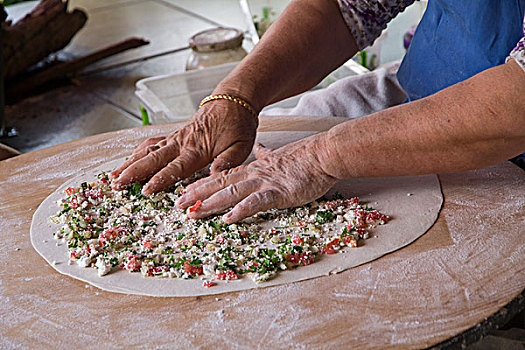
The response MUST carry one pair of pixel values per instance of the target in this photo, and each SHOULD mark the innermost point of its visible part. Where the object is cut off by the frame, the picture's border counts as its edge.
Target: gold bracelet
(235, 99)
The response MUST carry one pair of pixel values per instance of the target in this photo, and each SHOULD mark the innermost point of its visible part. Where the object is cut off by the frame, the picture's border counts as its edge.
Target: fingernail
(226, 217)
(179, 202)
(146, 190)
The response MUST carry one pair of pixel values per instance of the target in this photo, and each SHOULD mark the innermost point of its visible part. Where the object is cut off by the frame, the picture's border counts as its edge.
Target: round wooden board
(470, 264)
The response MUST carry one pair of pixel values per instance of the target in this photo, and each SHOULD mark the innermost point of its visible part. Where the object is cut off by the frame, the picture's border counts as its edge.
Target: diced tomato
(92, 247)
(351, 202)
(244, 234)
(102, 239)
(359, 222)
(226, 275)
(304, 258)
(71, 190)
(111, 234)
(350, 242)
(132, 264)
(360, 218)
(74, 203)
(208, 284)
(195, 207)
(156, 270)
(147, 245)
(296, 239)
(104, 178)
(88, 218)
(252, 264)
(373, 216)
(220, 239)
(329, 247)
(192, 270)
(301, 223)
(292, 258)
(334, 204)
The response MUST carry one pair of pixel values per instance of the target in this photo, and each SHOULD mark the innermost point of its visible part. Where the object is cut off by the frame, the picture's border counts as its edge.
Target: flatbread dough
(412, 202)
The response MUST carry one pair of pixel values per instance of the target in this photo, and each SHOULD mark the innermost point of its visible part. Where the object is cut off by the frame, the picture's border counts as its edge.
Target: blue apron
(457, 39)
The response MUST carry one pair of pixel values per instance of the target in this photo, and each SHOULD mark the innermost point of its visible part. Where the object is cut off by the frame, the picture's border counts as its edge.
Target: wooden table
(466, 268)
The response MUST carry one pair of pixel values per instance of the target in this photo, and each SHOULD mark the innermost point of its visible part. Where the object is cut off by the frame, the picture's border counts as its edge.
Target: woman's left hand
(286, 177)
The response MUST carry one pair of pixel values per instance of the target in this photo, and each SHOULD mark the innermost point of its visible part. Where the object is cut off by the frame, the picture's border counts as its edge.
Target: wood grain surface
(470, 264)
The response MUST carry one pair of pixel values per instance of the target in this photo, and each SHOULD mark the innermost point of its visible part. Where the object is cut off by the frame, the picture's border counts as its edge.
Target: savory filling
(107, 229)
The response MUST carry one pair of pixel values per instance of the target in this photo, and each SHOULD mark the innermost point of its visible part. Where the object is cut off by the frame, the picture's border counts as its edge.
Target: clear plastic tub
(176, 97)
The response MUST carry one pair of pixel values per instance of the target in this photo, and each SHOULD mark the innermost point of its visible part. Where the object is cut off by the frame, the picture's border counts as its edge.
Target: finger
(206, 187)
(226, 198)
(183, 166)
(147, 166)
(151, 144)
(132, 159)
(231, 157)
(260, 151)
(254, 203)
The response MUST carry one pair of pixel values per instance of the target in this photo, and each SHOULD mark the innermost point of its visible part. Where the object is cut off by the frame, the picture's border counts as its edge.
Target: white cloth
(351, 97)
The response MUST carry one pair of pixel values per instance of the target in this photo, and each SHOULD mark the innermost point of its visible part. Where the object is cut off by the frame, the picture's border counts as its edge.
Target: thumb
(261, 151)
(231, 157)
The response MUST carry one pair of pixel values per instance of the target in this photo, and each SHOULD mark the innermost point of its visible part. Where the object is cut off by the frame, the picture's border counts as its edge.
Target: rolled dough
(412, 202)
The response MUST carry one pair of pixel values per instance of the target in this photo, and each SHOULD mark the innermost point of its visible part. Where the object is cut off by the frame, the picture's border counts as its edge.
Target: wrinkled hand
(289, 176)
(220, 131)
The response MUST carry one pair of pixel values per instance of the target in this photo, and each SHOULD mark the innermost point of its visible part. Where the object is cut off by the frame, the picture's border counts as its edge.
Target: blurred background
(186, 55)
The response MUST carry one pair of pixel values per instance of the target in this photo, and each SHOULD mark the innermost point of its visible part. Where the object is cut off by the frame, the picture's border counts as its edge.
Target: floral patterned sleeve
(366, 19)
(518, 53)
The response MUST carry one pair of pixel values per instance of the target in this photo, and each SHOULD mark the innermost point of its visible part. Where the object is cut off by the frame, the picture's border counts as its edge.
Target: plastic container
(176, 97)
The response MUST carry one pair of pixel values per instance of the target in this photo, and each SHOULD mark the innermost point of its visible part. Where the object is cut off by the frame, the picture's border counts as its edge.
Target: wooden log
(68, 69)
(48, 28)
(7, 152)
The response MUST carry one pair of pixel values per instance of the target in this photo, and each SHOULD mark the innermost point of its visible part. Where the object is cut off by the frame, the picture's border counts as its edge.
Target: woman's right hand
(221, 132)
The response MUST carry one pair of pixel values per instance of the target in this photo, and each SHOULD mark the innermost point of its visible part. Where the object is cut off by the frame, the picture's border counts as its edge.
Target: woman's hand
(289, 176)
(221, 131)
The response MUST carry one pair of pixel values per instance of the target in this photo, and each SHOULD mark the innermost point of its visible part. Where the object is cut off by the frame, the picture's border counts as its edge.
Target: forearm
(470, 125)
(308, 41)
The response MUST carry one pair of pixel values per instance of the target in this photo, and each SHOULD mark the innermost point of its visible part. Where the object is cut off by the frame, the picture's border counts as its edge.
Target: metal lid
(216, 39)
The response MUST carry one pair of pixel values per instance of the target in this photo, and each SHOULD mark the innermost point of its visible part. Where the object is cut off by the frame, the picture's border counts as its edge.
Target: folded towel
(351, 97)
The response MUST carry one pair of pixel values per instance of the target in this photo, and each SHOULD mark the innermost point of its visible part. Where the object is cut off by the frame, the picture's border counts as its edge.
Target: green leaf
(215, 225)
(65, 210)
(196, 262)
(323, 216)
(136, 190)
(144, 115)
